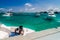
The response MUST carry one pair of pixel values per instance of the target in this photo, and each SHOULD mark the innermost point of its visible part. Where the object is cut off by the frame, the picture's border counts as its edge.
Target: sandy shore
(32, 35)
(12, 28)
(36, 35)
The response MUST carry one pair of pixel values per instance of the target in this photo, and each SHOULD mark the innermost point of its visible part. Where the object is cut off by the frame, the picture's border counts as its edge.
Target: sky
(28, 5)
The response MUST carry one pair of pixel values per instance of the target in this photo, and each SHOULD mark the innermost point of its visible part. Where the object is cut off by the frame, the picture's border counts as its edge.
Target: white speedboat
(51, 13)
(7, 14)
(37, 14)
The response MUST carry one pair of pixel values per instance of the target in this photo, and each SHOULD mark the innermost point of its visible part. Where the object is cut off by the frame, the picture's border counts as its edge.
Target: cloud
(57, 9)
(3, 9)
(32, 9)
(53, 8)
(10, 9)
(29, 7)
(21, 10)
(28, 4)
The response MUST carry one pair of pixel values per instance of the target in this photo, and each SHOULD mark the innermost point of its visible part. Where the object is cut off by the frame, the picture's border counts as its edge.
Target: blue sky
(17, 5)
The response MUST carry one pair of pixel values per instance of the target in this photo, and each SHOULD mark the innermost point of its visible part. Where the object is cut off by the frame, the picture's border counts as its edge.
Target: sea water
(31, 21)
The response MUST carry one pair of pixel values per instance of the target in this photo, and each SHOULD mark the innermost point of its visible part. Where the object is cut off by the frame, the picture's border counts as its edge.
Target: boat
(51, 13)
(7, 14)
(37, 14)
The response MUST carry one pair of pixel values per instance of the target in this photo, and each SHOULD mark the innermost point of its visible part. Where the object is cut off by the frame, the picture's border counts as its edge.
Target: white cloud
(21, 10)
(2, 9)
(32, 9)
(28, 4)
(29, 7)
(53, 8)
(57, 9)
(10, 9)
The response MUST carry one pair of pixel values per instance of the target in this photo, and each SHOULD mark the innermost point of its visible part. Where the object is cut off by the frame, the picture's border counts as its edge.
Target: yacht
(7, 14)
(38, 14)
(51, 13)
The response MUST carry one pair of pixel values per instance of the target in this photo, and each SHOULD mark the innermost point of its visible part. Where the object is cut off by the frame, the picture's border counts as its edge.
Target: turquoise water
(31, 21)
